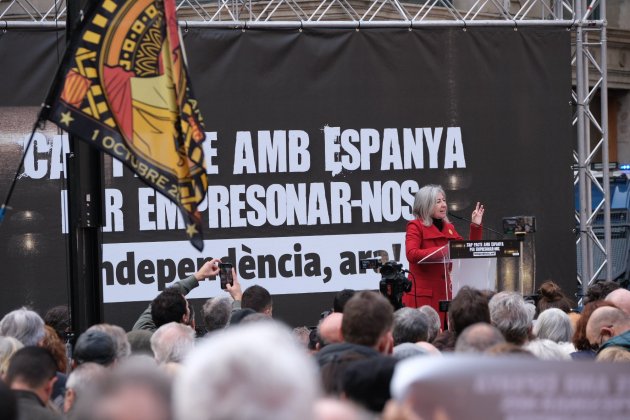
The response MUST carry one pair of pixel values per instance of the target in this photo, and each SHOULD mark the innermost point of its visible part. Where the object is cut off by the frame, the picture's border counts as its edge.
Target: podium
(473, 263)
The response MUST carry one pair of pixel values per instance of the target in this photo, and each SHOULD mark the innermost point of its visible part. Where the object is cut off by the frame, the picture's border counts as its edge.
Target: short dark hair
(410, 326)
(600, 290)
(341, 298)
(366, 317)
(468, 307)
(257, 298)
(58, 317)
(32, 365)
(168, 306)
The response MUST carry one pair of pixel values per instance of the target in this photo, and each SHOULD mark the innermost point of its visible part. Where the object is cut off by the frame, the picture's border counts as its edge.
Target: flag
(123, 86)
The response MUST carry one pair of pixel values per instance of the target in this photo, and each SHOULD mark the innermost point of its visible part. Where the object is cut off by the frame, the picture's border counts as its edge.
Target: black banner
(316, 143)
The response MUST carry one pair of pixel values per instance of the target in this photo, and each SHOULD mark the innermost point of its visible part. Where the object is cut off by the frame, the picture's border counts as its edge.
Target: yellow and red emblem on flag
(123, 86)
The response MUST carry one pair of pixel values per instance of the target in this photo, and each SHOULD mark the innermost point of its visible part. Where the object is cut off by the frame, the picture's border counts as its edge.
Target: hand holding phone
(225, 275)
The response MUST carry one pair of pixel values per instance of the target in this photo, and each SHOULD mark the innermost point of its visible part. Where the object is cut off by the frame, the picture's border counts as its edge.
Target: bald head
(621, 298)
(606, 322)
(330, 328)
(477, 338)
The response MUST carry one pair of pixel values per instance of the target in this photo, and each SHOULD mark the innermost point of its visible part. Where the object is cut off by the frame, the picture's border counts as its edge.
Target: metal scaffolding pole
(582, 141)
(604, 124)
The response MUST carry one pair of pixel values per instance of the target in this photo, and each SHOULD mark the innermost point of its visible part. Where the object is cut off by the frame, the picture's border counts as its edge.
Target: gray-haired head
(477, 338)
(554, 324)
(275, 378)
(425, 200)
(123, 347)
(137, 385)
(546, 349)
(25, 325)
(410, 326)
(83, 379)
(172, 342)
(434, 321)
(216, 313)
(510, 315)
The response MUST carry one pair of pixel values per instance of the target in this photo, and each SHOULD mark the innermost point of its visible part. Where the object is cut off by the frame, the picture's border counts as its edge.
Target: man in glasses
(607, 327)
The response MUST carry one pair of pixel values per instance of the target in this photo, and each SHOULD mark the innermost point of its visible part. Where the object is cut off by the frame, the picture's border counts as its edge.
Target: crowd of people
(248, 366)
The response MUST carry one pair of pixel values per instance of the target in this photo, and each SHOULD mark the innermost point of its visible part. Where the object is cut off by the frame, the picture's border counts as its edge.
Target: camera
(393, 280)
(519, 225)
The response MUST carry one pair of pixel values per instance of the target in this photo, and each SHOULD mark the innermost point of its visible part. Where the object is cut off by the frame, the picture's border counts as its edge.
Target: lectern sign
(485, 249)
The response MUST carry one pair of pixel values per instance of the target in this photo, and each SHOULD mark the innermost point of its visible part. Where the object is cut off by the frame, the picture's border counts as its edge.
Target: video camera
(393, 280)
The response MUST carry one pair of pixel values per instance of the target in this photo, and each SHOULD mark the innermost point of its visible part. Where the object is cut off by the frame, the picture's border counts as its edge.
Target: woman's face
(439, 208)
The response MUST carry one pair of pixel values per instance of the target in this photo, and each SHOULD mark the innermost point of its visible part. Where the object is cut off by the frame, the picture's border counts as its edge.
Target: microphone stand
(481, 226)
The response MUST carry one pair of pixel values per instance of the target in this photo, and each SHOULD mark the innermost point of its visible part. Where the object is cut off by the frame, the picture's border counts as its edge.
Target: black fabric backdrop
(507, 90)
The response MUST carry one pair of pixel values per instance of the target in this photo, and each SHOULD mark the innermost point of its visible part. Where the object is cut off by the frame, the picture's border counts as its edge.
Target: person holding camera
(426, 244)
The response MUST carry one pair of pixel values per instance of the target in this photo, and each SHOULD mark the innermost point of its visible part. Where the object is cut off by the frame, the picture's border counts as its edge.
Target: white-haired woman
(426, 235)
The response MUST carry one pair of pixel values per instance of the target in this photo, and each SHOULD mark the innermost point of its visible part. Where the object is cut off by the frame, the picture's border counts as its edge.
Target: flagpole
(84, 174)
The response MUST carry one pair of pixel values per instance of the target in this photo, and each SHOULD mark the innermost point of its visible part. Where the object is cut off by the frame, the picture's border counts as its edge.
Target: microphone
(481, 226)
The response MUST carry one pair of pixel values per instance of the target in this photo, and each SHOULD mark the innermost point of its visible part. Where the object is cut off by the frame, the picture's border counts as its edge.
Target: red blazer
(431, 282)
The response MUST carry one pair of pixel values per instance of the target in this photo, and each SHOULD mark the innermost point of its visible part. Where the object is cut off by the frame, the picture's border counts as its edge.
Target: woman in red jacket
(426, 240)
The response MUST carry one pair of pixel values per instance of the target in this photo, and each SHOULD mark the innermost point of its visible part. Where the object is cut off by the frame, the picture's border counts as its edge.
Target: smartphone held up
(225, 275)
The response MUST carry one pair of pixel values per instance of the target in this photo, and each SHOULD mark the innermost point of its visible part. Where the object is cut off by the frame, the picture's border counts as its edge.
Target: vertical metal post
(585, 206)
(604, 124)
(84, 205)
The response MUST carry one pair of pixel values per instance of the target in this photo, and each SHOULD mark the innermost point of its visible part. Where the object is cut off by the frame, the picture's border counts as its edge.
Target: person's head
(136, 389)
(123, 347)
(435, 325)
(329, 329)
(169, 306)
(621, 298)
(33, 369)
(410, 326)
(8, 347)
(53, 343)
(509, 314)
(606, 323)
(478, 338)
(367, 320)
(172, 342)
(140, 342)
(554, 324)
(367, 382)
(430, 203)
(599, 290)
(546, 349)
(552, 296)
(255, 372)
(468, 307)
(94, 346)
(25, 325)
(257, 298)
(58, 317)
(580, 342)
(340, 299)
(80, 381)
(216, 313)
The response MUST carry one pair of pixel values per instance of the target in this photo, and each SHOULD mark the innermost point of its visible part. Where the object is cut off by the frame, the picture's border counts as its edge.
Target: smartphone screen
(225, 275)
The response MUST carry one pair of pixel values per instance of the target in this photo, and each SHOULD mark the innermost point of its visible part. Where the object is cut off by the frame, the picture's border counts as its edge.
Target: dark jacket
(30, 407)
(621, 340)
